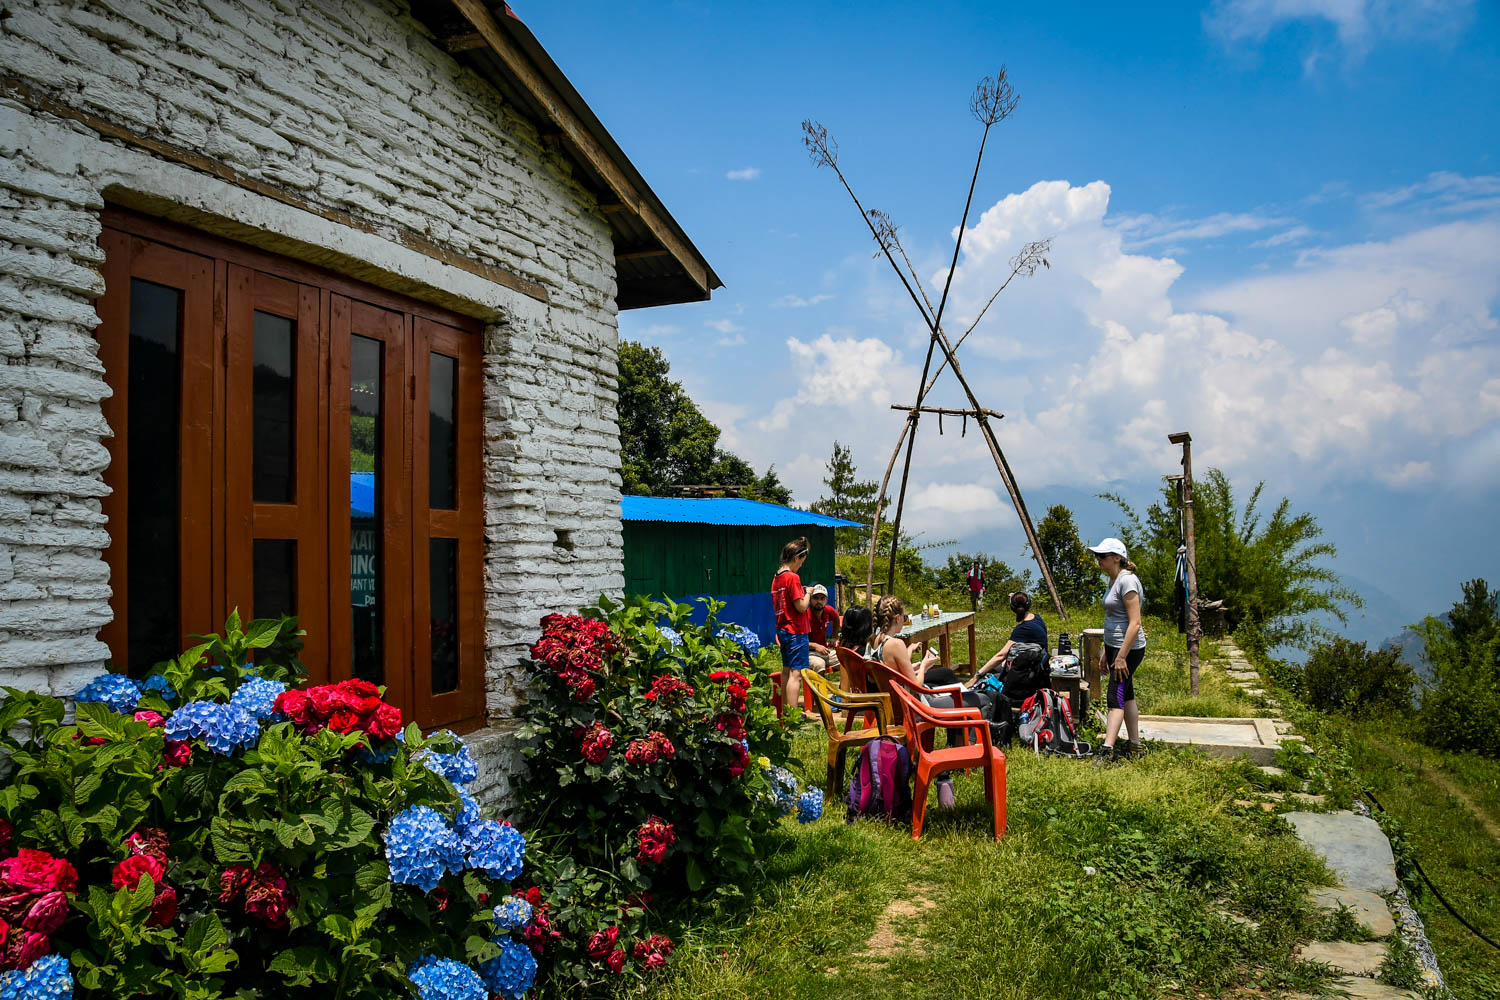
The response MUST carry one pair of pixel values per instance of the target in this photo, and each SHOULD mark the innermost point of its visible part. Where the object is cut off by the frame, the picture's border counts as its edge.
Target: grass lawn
(1448, 806)
(1132, 881)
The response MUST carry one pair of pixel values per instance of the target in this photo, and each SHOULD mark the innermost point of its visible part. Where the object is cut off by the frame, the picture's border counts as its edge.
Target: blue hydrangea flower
(445, 979)
(48, 978)
(421, 847)
(116, 692)
(513, 914)
(783, 789)
(160, 684)
(495, 848)
(257, 696)
(810, 805)
(224, 728)
(468, 812)
(512, 972)
(671, 635)
(742, 637)
(459, 767)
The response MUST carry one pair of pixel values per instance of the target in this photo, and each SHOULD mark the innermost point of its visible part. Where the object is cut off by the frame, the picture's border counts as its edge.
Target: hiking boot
(1131, 750)
(1104, 757)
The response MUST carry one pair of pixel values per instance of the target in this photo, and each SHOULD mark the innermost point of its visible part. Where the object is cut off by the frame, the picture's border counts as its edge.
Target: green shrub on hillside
(1460, 709)
(1345, 676)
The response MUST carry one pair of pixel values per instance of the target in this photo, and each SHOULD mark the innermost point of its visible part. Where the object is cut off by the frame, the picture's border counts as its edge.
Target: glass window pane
(275, 568)
(153, 402)
(443, 583)
(273, 443)
(365, 363)
(442, 433)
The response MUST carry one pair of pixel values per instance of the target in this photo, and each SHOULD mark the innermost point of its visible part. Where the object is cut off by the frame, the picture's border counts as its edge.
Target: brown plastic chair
(929, 764)
(831, 701)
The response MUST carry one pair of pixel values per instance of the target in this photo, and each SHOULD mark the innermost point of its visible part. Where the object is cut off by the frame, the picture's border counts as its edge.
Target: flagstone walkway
(1358, 853)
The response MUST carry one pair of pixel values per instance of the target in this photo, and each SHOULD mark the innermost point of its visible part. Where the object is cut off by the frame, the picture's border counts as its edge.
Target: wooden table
(923, 628)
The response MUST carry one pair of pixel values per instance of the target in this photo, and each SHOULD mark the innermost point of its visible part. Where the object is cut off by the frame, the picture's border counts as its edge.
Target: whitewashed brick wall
(349, 106)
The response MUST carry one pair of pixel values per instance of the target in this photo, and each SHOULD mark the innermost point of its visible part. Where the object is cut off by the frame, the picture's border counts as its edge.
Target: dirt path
(898, 924)
(1438, 778)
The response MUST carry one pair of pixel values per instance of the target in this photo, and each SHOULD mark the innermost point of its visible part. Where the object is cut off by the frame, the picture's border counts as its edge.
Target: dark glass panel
(275, 569)
(443, 582)
(154, 399)
(365, 365)
(442, 433)
(273, 451)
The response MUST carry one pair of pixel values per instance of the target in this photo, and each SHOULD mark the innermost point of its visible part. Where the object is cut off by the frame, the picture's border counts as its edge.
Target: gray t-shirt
(1116, 618)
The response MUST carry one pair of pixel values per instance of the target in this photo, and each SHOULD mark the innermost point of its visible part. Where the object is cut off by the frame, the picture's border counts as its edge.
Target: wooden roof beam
(568, 123)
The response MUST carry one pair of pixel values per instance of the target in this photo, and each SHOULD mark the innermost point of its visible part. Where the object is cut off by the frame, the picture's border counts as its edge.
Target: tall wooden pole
(1194, 629)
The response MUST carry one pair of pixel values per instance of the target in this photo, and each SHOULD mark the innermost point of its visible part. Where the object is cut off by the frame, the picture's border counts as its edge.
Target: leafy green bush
(1460, 709)
(211, 832)
(646, 783)
(1346, 676)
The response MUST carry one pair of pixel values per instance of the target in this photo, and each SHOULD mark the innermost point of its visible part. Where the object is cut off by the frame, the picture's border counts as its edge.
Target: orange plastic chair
(919, 722)
(830, 702)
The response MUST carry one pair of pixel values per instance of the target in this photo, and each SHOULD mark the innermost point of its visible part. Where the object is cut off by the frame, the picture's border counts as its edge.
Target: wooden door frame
(231, 281)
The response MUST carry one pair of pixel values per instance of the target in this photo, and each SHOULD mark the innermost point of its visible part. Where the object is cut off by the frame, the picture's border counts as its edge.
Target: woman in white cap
(1124, 645)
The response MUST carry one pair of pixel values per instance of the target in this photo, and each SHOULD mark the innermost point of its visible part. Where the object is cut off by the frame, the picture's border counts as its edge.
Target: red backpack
(880, 786)
(1048, 725)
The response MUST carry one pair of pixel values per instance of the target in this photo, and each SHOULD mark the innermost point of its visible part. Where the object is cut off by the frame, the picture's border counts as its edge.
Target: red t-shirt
(786, 588)
(825, 626)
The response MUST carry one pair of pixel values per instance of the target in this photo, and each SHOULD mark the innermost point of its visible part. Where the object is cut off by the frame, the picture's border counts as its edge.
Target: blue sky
(1276, 223)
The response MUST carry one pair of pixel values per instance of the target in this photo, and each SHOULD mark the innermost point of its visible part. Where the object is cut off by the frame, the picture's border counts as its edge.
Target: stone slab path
(1355, 850)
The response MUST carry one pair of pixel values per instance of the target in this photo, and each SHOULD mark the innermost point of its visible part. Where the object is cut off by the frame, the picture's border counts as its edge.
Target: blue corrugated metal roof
(723, 510)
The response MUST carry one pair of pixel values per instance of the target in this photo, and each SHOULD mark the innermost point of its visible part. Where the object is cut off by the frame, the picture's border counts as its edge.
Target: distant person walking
(793, 623)
(1124, 645)
(976, 586)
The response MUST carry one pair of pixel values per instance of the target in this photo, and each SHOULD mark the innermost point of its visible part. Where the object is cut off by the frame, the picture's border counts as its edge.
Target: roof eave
(646, 235)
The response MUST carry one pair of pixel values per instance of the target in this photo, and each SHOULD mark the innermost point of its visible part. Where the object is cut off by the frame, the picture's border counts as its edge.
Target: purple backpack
(880, 787)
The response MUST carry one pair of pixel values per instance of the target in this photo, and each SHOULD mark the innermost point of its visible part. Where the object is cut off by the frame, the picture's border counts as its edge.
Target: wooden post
(1194, 630)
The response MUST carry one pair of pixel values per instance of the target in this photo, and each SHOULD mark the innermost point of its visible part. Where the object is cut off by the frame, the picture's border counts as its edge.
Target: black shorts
(1117, 690)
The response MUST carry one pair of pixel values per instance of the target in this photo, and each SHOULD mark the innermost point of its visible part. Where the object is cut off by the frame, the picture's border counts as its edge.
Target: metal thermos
(1064, 644)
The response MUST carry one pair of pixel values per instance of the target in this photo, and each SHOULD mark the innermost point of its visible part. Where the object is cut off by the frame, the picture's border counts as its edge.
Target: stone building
(311, 307)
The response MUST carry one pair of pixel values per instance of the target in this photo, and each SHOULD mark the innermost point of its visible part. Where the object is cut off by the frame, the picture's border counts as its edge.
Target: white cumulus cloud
(743, 174)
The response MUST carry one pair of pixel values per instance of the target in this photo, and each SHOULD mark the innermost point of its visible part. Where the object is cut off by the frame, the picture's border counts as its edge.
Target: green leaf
(695, 876)
(206, 934)
(305, 965)
(372, 876)
(262, 632)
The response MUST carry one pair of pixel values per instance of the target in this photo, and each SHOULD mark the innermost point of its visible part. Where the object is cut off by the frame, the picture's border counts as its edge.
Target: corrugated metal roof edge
(804, 516)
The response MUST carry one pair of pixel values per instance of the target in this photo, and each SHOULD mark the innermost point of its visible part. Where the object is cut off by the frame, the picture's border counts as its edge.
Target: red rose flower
(127, 874)
(266, 899)
(616, 961)
(668, 690)
(596, 743)
(654, 951)
(601, 943)
(47, 913)
(325, 700)
(343, 721)
(653, 838)
(231, 881)
(163, 907)
(740, 762)
(177, 753)
(664, 748)
(153, 719)
(149, 841)
(36, 871)
(385, 722)
(23, 947)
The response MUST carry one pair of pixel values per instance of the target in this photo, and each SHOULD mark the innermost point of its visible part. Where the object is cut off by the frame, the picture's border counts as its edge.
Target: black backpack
(1025, 671)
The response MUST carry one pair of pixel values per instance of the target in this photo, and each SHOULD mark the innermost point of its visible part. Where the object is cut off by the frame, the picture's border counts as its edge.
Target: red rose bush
(639, 729)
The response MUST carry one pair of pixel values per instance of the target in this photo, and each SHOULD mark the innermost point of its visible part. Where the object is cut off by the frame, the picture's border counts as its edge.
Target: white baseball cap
(818, 588)
(1110, 546)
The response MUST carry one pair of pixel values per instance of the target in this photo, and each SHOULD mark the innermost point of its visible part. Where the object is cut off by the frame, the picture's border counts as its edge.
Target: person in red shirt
(825, 629)
(793, 622)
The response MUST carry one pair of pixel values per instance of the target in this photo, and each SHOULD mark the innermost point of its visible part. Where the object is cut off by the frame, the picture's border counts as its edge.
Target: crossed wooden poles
(993, 101)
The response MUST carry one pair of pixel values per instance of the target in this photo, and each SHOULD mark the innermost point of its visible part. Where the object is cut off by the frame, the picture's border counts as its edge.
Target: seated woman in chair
(1030, 627)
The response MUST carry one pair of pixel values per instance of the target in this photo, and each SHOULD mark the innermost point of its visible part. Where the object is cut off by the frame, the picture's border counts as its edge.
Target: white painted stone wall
(350, 106)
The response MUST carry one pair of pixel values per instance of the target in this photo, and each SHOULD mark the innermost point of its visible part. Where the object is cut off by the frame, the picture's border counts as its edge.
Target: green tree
(666, 441)
(1460, 709)
(1073, 568)
(1271, 573)
(1346, 676)
(849, 498)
